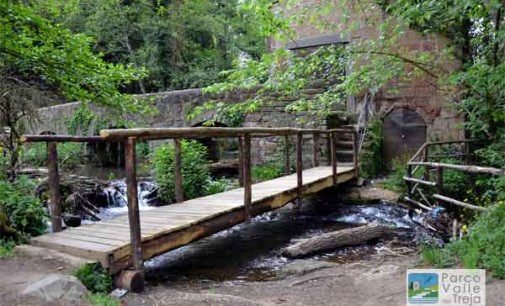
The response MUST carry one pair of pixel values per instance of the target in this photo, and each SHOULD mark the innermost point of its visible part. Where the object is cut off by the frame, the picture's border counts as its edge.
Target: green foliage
(142, 150)
(218, 185)
(436, 256)
(6, 248)
(266, 172)
(102, 299)
(181, 44)
(372, 162)
(195, 174)
(95, 278)
(70, 155)
(26, 215)
(395, 180)
(35, 46)
(483, 247)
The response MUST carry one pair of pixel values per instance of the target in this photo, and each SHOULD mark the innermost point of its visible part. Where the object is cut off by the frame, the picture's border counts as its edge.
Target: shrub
(195, 174)
(266, 172)
(218, 185)
(483, 247)
(6, 248)
(372, 161)
(395, 180)
(101, 299)
(94, 278)
(25, 213)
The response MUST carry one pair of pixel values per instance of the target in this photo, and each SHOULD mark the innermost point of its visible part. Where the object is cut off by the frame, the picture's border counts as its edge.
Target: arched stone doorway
(404, 132)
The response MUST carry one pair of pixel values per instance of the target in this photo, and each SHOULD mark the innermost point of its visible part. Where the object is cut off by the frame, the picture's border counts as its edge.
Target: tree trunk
(332, 240)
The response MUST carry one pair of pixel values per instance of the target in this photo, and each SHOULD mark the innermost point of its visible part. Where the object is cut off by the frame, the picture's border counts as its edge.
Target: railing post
(287, 164)
(241, 161)
(247, 177)
(54, 186)
(299, 167)
(467, 152)
(440, 180)
(179, 193)
(355, 153)
(425, 159)
(315, 161)
(333, 157)
(133, 206)
(409, 184)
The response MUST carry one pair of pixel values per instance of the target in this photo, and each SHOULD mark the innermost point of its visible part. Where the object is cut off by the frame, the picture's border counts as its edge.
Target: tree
(180, 43)
(41, 63)
(473, 29)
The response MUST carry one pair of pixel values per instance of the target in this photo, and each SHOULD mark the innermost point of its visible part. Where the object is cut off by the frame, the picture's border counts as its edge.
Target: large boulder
(56, 287)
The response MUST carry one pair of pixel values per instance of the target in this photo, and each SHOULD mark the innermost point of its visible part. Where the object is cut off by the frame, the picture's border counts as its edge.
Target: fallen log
(332, 240)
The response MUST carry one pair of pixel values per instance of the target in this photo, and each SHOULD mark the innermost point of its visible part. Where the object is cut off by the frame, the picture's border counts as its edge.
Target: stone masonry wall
(173, 108)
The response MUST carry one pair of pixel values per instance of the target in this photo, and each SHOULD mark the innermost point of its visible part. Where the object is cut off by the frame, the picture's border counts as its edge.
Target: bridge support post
(54, 186)
(246, 168)
(299, 168)
(179, 193)
(333, 158)
(315, 161)
(287, 165)
(355, 153)
(133, 208)
(241, 161)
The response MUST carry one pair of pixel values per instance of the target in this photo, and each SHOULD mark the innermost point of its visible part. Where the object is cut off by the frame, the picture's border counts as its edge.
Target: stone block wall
(173, 108)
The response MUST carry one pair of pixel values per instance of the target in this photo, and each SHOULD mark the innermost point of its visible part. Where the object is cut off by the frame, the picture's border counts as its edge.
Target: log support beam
(299, 168)
(54, 186)
(133, 208)
(179, 192)
(246, 170)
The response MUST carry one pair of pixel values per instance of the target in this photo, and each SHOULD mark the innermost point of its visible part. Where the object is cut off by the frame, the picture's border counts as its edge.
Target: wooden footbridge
(125, 242)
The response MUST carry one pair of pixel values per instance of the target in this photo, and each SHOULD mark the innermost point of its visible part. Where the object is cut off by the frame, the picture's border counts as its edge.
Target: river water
(252, 252)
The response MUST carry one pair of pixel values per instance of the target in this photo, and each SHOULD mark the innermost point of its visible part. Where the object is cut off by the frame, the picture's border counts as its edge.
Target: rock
(56, 287)
(302, 267)
(71, 220)
(368, 194)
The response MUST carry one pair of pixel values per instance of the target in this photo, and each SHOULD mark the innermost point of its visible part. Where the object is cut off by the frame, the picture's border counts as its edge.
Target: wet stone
(56, 287)
(302, 267)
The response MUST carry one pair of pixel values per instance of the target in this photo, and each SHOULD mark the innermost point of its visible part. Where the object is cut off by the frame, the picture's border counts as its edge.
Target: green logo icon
(422, 288)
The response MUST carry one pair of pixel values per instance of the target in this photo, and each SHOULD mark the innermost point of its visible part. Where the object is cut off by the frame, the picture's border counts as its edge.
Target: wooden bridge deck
(172, 226)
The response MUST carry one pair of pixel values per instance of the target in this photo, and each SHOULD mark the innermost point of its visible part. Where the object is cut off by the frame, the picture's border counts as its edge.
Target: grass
(6, 249)
(482, 248)
(266, 172)
(102, 299)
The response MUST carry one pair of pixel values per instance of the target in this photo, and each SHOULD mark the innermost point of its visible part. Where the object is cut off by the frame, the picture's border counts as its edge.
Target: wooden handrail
(206, 132)
(463, 168)
(437, 143)
(439, 167)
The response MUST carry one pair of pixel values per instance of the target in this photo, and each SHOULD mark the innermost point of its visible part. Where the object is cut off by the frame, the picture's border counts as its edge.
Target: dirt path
(379, 281)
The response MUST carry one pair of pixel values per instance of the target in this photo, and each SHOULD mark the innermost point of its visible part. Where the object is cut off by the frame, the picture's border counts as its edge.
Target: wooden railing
(129, 137)
(421, 161)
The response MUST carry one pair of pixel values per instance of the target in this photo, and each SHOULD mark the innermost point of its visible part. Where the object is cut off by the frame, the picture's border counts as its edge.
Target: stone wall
(173, 107)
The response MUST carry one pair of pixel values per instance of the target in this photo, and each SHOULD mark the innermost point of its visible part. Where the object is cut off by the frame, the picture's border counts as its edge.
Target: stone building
(412, 112)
